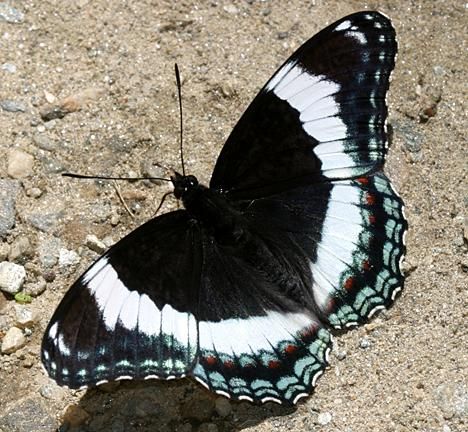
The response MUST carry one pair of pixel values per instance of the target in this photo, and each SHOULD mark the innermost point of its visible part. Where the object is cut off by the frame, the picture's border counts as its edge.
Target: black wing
(320, 256)
(132, 314)
(303, 165)
(321, 116)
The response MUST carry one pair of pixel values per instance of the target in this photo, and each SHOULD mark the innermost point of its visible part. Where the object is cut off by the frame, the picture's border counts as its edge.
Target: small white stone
(324, 418)
(231, 9)
(95, 244)
(13, 340)
(25, 317)
(20, 164)
(68, 258)
(12, 277)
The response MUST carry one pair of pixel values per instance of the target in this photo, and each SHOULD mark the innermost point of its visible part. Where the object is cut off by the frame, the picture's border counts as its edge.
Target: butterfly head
(182, 184)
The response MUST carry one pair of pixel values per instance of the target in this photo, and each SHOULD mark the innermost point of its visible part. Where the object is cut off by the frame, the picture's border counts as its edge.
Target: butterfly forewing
(132, 313)
(321, 116)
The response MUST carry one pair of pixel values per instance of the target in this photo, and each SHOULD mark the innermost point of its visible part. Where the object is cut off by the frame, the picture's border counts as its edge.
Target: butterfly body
(298, 232)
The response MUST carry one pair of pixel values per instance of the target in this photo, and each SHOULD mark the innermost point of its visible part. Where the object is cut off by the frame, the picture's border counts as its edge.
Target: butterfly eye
(192, 181)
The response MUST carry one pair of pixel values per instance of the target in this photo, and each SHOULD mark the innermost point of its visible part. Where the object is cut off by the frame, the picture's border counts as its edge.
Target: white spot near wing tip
(345, 25)
(53, 331)
(62, 347)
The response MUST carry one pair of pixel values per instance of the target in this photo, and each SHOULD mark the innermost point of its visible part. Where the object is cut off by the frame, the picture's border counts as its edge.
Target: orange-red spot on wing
(349, 283)
(290, 349)
(366, 265)
(229, 364)
(372, 219)
(274, 364)
(210, 360)
(363, 180)
(370, 198)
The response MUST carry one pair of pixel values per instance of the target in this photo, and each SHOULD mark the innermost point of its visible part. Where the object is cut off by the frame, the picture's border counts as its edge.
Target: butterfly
(299, 233)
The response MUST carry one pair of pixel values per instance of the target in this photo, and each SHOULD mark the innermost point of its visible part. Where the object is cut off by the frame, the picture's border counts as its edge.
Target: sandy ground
(406, 371)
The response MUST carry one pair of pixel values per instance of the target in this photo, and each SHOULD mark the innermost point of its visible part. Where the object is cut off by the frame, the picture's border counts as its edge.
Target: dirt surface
(405, 371)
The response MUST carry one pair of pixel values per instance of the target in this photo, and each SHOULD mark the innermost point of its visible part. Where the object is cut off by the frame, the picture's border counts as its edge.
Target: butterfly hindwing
(321, 116)
(132, 313)
(255, 342)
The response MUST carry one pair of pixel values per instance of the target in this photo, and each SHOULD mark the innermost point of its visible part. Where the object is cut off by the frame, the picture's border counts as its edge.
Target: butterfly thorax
(210, 209)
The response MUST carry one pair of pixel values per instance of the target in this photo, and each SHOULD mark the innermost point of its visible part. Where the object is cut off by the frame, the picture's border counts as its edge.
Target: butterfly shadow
(172, 406)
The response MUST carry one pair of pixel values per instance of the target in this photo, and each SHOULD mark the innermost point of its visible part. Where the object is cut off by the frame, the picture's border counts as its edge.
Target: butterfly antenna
(179, 91)
(82, 176)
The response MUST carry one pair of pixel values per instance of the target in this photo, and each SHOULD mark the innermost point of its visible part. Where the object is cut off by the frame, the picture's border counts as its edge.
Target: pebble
(45, 222)
(25, 317)
(36, 288)
(19, 249)
(93, 243)
(12, 277)
(12, 106)
(4, 251)
(223, 407)
(207, 427)
(198, 409)
(51, 165)
(324, 418)
(365, 343)
(438, 70)
(13, 340)
(75, 416)
(34, 192)
(28, 415)
(151, 169)
(72, 103)
(44, 142)
(340, 355)
(49, 252)
(452, 398)
(10, 14)
(412, 140)
(68, 258)
(119, 144)
(231, 9)
(8, 191)
(9, 67)
(20, 164)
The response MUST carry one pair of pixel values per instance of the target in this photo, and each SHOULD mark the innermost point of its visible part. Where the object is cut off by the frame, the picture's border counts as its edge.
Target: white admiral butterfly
(299, 232)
